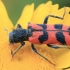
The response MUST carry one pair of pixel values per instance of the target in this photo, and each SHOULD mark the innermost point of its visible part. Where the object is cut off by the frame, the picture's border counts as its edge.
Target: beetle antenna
(6, 31)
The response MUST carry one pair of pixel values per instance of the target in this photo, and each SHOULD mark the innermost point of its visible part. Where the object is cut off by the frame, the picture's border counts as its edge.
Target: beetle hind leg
(46, 18)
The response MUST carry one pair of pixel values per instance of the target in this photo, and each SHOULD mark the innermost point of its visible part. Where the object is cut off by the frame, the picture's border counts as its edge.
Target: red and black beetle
(41, 34)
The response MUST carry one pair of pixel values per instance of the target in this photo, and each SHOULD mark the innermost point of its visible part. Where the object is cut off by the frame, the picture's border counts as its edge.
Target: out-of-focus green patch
(15, 7)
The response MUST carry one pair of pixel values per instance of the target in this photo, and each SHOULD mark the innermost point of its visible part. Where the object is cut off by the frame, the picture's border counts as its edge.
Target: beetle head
(18, 35)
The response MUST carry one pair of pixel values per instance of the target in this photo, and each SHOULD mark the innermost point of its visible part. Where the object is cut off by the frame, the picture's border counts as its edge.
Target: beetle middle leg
(46, 18)
(34, 49)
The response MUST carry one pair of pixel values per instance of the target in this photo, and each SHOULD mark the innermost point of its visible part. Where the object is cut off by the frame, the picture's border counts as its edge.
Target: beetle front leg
(13, 53)
(34, 49)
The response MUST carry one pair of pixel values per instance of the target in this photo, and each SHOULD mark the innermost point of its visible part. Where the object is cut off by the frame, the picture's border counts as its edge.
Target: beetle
(41, 34)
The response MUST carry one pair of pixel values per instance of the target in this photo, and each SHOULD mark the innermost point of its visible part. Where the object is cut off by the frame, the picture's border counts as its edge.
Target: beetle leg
(19, 26)
(13, 53)
(46, 18)
(65, 68)
(53, 46)
(45, 22)
(34, 49)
